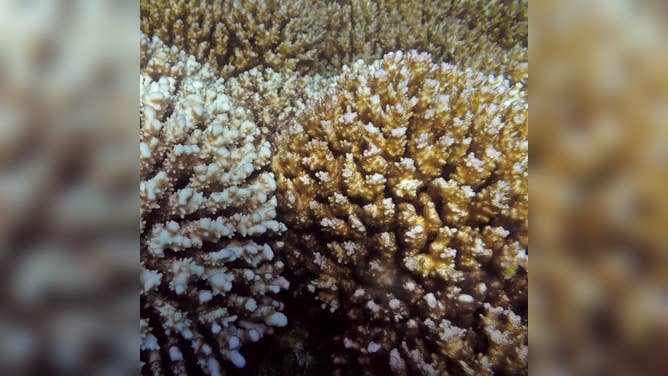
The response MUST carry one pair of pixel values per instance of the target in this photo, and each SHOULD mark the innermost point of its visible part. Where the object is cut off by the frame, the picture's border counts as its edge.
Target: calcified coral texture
(401, 179)
(405, 191)
(319, 36)
(207, 218)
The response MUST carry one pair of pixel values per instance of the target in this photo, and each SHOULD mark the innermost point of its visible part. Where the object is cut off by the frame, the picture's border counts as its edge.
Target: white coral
(205, 196)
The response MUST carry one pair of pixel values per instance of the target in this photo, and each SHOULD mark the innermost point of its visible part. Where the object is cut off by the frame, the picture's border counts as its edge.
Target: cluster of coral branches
(373, 154)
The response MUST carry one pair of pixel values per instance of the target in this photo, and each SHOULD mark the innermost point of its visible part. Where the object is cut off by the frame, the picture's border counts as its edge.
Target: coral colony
(368, 157)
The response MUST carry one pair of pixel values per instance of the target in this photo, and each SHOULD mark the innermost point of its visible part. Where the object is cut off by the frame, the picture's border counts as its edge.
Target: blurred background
(69, 255)
(69, 173)
(598, 186)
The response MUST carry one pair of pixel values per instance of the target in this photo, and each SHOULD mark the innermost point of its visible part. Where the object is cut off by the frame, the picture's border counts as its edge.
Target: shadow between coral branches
(303, 348)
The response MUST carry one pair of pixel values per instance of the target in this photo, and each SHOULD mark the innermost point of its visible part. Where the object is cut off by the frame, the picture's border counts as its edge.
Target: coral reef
(319, 36)
(404, 189)
(208, 211)
(400, 181)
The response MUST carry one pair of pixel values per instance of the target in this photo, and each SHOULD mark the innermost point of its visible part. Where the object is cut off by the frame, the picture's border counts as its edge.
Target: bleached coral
(403, 182)
(405, 191)
(276, 98)
(68, 178)
(208, 218)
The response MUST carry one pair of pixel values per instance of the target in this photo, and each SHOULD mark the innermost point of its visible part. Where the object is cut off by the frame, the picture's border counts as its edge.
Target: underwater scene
(334, 187)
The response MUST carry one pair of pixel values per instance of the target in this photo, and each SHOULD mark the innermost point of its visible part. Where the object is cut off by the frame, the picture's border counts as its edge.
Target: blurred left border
(69, 174)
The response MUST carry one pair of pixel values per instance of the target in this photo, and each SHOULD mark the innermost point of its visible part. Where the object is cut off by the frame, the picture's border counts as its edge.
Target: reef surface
(334, 187)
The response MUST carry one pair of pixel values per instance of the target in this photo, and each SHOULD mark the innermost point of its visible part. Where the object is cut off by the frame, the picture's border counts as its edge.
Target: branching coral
(275, 98)
(208, 213)
(234, 36)
(318, 36)
(473, 34)
(503, 21)
(402, 182)
(405, 193)
(68, 188)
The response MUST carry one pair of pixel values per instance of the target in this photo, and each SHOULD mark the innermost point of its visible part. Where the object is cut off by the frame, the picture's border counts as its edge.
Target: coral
(405, 191)
(503, 21)
(68, 188)
(473, 34)
(209, 276)
(234, 36)
(318, 36)
(402, 180)
(275, 98)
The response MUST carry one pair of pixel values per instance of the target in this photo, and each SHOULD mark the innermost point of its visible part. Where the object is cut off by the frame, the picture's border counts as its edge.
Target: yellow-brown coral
(234, 36)
(318, 36)
(403, 182)
(404, 189)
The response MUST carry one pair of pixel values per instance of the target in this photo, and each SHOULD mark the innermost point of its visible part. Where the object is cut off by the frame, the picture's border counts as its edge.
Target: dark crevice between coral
(302, 348)
(189, 357)
(153, 317)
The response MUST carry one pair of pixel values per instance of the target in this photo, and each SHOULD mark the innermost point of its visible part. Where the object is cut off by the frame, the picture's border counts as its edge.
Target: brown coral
(486, 36)
(234, 36)
(405, 193)
(403, 182)
(317, 36)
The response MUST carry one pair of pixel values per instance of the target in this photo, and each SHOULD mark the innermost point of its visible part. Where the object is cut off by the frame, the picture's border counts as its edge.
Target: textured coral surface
(320, 36)
(207, 215)
(378, 148)
(405, 193)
